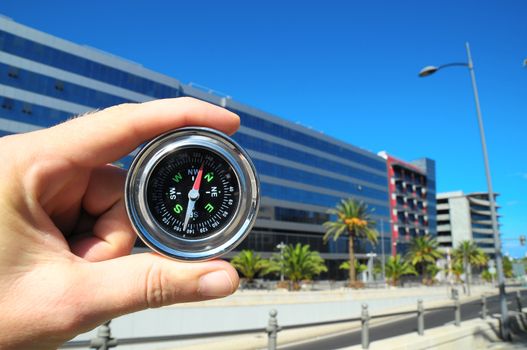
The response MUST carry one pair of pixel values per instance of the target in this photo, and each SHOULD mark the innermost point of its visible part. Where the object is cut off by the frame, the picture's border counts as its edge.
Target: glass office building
(45, 80)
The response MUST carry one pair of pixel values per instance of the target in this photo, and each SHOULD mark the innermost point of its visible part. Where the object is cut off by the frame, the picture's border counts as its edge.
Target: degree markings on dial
(218, 167)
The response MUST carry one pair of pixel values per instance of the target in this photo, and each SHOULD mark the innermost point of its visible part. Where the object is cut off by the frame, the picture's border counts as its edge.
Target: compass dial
(193, 193)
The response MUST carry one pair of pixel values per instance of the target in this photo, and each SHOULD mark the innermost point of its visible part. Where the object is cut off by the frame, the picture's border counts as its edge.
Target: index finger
(111, 134)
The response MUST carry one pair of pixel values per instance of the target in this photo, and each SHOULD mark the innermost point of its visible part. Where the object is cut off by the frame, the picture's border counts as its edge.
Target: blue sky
(345, 68)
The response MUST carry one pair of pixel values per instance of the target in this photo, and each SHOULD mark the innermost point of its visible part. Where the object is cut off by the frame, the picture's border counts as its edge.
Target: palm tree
(359, 268)
(432, 270)
(487, 276)
(250, 264)
(468, 253)
(299, 263)
(352, 218)
(507, 267)
(457, 270)
(396, 267)
(424, 250)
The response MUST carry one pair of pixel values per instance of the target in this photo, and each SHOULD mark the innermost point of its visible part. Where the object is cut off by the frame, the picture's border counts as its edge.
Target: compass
(192, 194)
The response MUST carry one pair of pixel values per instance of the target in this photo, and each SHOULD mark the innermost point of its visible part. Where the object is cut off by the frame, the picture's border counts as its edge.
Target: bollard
(483, 306)
(519, 301)
(420, 317)
(104, 340)
(455, 293)
(272, 330)
(365, 324)
(457, 312)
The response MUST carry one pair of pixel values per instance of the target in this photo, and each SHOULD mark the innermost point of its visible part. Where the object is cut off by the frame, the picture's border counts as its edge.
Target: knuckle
(156, 293)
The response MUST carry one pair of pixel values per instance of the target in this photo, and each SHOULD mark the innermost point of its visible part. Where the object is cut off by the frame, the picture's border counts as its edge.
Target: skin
(65, 238)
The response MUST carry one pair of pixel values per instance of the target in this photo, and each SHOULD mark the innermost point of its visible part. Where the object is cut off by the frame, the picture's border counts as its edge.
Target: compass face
(193, 193)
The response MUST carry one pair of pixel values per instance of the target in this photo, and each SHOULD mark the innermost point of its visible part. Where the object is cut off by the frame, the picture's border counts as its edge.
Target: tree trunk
(467, 280)
(352, 272)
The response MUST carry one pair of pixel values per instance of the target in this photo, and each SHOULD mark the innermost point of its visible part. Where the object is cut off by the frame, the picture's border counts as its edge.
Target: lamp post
(383, 262)
(449, 274)
(281, 246)
(497, 243)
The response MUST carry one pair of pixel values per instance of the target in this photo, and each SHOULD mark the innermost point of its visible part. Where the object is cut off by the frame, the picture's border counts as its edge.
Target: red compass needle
(197, 182)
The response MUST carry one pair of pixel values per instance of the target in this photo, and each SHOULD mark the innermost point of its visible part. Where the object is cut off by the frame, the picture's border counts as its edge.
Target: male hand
(64, 233)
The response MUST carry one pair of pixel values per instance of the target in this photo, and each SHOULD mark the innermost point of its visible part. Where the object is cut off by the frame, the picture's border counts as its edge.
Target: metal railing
(105, 341)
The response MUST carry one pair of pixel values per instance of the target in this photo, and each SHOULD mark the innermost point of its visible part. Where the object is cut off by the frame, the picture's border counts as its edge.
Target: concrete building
(412, 192)
(463, 217)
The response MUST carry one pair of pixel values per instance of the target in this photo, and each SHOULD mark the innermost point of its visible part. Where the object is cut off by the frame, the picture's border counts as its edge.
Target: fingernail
(215, 284)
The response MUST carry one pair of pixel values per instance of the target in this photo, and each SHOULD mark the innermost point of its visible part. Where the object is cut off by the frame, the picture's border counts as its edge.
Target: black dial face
(193, 193)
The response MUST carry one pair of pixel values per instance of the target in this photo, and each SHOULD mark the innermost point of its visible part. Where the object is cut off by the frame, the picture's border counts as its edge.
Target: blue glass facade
(278, 130)
(264, 146)
(296, 192)
(49, 86)
(42, 53)
(34, 114)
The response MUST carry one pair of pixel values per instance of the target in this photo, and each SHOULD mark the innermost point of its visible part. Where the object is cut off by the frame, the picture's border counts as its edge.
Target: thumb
(141, 281)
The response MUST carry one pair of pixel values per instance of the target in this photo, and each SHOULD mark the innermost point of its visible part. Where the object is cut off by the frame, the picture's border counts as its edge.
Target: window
(12, 72)
(26, 108)
(59, 85)
(7, 104)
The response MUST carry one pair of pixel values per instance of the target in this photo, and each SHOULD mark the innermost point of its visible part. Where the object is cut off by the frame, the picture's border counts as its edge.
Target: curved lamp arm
(429, 70)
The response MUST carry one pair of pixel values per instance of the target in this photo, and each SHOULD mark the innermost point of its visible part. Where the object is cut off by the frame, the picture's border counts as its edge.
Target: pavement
(297, 336)
(441, 320)
(249, 309)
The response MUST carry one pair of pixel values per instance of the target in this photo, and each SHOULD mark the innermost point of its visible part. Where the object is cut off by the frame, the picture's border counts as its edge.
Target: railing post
(104, 340)
(457, 312)
(483, 306)
(420, 317)
(519, 301)
(365, 324)
(272, 330)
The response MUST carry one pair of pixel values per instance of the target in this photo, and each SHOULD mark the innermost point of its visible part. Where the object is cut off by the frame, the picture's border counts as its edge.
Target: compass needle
(193, 196)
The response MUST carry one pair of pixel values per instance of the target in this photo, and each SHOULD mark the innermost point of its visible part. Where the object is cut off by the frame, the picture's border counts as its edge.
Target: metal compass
(192, 194)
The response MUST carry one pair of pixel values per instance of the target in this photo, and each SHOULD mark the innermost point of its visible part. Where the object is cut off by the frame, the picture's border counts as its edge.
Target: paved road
(405, 325)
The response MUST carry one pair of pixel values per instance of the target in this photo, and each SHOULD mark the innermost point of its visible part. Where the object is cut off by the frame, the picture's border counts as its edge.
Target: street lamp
(383, 259)
(383, 262)
(497, 243)
(281, 246)
(429, 70)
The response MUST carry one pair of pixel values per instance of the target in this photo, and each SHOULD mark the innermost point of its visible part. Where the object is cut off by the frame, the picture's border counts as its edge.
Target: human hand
(64, 233)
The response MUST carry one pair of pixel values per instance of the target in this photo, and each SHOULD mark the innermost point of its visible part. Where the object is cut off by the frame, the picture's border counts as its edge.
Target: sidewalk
(296, 336)
(281, 296)
(249, 309)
